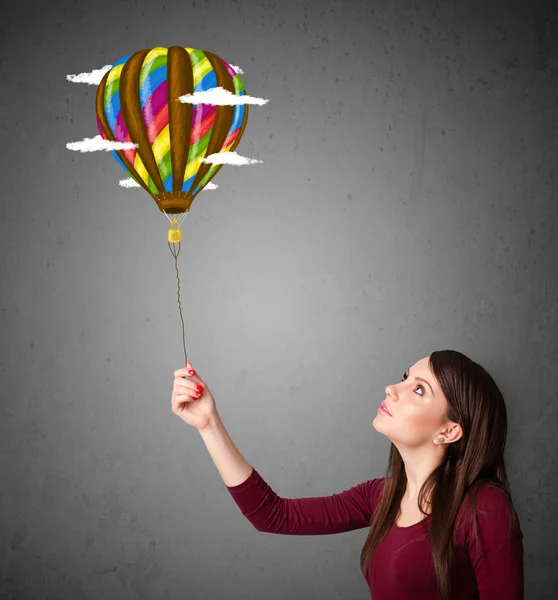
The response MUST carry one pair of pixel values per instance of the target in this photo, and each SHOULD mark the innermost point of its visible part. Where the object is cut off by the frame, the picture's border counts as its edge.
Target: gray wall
(406, 203)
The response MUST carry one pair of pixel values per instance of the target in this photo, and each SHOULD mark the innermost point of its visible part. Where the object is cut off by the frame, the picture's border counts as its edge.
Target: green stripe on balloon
(152, 185)
(112, 88)
(196, 56)
(151, 66)
(238, 84)
(164, 166)
(200, 147)
(212, 170)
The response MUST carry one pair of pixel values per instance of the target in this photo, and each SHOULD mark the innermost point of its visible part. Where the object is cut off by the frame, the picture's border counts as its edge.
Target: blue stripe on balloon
(238, 116)
(168, 183)
(151, 83)
(208, 82)
(122, 60)
(112, 110)
(188, 184)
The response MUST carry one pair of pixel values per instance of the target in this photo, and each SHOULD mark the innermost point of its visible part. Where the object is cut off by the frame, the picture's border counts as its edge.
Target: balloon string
(175, 254)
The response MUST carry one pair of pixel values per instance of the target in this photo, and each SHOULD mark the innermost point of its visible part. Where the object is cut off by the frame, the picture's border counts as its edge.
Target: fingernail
(191, 372)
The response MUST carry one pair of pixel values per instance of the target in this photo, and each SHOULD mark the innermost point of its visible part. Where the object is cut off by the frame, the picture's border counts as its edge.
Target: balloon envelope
(137, 101)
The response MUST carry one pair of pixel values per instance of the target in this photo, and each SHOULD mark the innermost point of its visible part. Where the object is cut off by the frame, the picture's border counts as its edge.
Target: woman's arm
(269, 513)
(232, 466)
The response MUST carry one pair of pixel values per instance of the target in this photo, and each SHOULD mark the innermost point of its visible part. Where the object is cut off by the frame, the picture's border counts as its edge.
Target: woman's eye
(418, 386)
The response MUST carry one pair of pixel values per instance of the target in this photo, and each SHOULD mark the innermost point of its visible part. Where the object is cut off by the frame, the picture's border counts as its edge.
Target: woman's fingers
(180, 384)
(186, 390)
(184, 371)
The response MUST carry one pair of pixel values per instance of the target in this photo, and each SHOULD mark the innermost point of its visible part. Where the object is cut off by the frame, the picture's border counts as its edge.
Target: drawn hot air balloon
(137, 101)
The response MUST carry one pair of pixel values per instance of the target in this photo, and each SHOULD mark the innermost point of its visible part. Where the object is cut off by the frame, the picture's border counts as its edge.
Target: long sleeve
(498, 560)
(269, 513)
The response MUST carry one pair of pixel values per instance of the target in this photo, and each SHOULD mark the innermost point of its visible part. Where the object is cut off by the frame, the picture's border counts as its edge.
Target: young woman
(441, 522)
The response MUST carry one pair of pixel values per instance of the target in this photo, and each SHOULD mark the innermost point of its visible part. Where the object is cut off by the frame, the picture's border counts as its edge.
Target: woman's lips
(383, 411)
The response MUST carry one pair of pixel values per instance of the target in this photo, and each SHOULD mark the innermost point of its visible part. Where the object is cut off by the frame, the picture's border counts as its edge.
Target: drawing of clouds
(220, 96)
(98, 143)
(228, 158)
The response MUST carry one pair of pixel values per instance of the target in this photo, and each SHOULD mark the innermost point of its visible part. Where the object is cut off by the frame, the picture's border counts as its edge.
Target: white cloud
(229, 158)
(95, 76)
(98, 143)
(129, 183)
(220, 96)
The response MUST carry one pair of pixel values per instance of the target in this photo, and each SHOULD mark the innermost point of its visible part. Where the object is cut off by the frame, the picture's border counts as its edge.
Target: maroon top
(400, 570)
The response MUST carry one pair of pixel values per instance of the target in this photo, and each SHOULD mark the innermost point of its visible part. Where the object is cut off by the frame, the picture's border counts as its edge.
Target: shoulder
(489, 513)
(493, 503)
(368, 492)
(488, 498)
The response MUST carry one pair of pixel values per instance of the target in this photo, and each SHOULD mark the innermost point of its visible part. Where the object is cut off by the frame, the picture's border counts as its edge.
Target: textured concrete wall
(407, 202)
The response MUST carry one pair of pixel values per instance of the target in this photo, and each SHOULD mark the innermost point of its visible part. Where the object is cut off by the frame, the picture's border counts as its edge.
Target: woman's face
(418, 408)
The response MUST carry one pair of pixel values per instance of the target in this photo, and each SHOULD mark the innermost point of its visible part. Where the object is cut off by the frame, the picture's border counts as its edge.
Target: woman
(441, 523)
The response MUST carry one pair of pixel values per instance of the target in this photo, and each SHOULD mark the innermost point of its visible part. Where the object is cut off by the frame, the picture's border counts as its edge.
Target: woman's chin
(376, 421)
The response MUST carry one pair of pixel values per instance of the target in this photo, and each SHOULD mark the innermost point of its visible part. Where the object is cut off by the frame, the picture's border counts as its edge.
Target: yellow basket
(175, 235)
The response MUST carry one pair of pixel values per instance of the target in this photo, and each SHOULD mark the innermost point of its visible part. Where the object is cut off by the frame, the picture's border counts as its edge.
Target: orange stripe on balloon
(160, 121)
(197, 123)
(207, 123)
(231, 138)
(131, 153)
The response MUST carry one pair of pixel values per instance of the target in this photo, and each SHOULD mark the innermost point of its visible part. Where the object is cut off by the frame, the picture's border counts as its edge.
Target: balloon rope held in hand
(139, 102)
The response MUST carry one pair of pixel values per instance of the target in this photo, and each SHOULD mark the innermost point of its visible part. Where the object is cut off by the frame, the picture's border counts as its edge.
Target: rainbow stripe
(154, 107)
(234, 128)
(203, 115)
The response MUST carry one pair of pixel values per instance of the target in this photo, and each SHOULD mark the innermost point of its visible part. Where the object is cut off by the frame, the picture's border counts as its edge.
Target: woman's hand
(191, 399)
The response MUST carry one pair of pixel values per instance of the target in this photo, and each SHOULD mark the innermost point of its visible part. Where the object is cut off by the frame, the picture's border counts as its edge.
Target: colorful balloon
(137, 102)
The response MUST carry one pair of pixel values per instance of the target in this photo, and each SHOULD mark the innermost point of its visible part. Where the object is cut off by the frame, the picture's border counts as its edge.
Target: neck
(419, 464)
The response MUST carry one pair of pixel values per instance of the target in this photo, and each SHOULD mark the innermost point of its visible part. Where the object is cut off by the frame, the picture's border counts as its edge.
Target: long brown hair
(477, 405)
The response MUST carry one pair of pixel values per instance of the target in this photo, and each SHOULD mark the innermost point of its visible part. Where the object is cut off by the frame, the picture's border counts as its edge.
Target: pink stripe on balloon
(154, 104)
(121, 134)
(231, 71)
(120, 129)
(200, 112)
